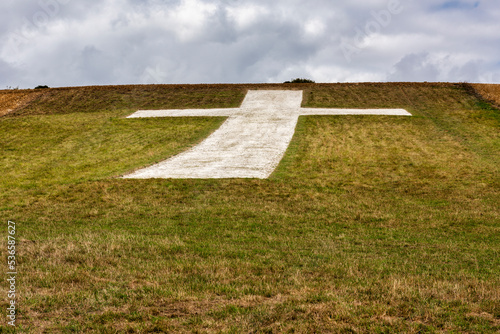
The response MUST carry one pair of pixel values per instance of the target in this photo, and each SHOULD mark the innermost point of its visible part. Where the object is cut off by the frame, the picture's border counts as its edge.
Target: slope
(369, 224)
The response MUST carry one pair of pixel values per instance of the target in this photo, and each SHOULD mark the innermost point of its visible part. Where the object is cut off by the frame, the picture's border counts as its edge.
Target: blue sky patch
(456, 4)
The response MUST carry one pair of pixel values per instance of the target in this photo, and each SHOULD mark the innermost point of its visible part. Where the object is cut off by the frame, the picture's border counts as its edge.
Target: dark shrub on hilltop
(300, 80)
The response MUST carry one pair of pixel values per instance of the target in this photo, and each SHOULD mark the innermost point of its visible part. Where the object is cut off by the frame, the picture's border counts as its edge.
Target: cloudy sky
(98, 42)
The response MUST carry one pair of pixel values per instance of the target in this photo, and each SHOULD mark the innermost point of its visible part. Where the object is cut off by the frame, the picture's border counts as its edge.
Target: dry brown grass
(87, 99)
(490, 92)
(11, 100)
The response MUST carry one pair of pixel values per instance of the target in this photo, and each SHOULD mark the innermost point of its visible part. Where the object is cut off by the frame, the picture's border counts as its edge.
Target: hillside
(488, 92)
(369, 224)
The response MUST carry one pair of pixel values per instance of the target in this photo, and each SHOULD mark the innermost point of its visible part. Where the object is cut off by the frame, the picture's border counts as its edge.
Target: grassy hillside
(370, 223)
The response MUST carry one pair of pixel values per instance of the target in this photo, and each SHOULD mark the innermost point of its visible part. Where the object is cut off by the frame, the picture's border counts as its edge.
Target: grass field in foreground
(371, 224)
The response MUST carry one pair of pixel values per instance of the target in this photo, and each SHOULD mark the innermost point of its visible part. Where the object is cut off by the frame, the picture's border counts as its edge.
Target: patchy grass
(369, 224)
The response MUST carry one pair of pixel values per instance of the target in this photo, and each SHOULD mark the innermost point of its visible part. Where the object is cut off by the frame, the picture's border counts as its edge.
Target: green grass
(371, 224)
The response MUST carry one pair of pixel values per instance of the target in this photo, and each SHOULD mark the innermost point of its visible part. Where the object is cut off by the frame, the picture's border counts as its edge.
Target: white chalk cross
(249, 144)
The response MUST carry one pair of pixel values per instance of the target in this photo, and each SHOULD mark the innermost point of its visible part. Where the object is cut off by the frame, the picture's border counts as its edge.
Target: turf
(370, 224)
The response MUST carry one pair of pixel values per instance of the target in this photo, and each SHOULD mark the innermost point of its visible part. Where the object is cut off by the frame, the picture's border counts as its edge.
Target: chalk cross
(250, 143)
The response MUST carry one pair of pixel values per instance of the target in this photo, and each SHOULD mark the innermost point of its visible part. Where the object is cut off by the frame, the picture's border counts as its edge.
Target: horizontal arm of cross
(185, 113)
(333, 111)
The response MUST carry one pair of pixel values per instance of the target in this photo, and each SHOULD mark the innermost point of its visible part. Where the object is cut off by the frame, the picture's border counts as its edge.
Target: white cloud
(246, 15)
(314, 27)
(189, 18)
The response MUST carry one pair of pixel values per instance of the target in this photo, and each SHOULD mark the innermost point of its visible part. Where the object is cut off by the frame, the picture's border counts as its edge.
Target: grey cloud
(415, 67)
(470, 71)
(94, 65)
(191, 41)
(6, 71)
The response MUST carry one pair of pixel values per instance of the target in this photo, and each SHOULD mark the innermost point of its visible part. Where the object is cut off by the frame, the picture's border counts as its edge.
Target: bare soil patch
(12, 100)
